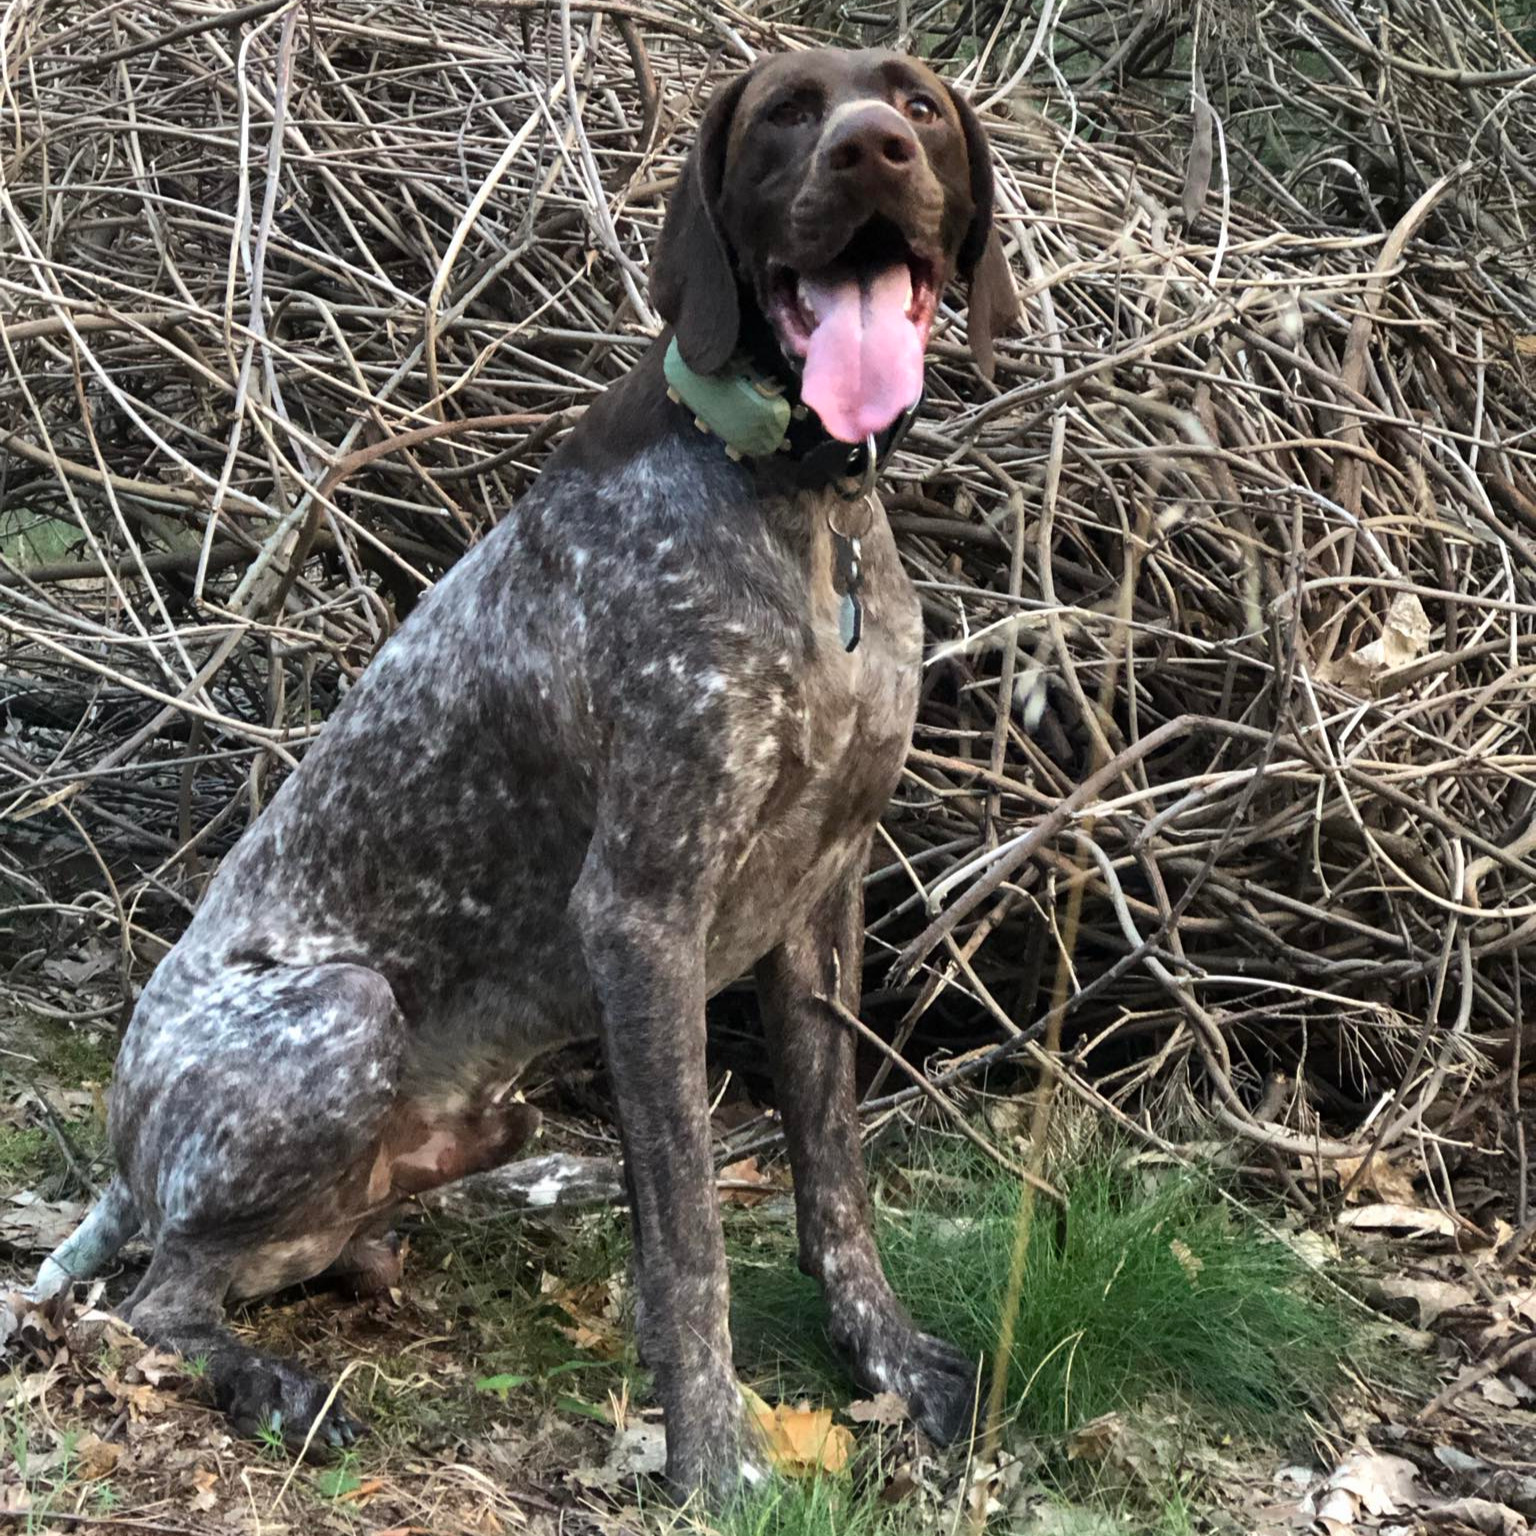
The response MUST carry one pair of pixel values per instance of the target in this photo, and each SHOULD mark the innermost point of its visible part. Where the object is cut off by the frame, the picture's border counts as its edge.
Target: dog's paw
(266, 1398)
(716, 1451)
(941, 1388)
(733, 1471)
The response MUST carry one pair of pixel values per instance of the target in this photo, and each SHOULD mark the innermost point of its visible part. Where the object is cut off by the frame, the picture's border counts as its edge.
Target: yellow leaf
(801, 1440)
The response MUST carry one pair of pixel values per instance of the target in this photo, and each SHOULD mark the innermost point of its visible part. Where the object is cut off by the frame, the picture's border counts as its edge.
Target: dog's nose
(872, 143)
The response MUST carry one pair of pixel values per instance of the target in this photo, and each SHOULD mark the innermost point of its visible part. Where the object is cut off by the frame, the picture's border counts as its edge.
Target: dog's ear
(993, 304)
(693, 279)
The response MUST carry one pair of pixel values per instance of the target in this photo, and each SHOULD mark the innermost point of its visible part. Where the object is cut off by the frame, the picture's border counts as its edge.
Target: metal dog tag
(850, 576)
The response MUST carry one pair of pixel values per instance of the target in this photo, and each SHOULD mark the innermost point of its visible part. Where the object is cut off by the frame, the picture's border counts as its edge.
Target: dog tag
(850, 576)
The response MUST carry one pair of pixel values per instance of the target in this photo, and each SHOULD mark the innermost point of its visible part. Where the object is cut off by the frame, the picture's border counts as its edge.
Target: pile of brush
(1230, 575)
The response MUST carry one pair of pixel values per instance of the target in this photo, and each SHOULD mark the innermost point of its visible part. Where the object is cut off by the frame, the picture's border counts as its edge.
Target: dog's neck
(823, 486)
(661, 398)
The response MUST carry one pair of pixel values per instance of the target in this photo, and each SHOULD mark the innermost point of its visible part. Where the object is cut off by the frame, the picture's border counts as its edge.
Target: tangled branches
(1230, 580)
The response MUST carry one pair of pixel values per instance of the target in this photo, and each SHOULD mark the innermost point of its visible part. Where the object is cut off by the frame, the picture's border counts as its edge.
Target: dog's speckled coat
(617, 758)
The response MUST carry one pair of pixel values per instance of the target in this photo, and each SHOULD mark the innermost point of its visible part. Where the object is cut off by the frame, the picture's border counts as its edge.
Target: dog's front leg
(645, 952)
(813, 1061)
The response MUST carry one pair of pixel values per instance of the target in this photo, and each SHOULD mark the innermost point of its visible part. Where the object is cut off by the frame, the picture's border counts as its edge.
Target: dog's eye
(922, 109)
(791, 112)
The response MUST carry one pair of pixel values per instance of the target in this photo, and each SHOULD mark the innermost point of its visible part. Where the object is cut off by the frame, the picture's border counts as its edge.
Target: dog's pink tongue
(864, 365)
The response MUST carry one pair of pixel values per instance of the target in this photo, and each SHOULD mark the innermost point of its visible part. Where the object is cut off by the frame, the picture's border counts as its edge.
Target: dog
(631, 748)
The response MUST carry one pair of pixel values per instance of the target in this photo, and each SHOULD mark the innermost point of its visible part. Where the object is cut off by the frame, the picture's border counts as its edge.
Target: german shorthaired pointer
(633, 746)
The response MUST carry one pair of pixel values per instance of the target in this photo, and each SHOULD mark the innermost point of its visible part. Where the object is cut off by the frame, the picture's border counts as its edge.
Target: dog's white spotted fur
(614, 760)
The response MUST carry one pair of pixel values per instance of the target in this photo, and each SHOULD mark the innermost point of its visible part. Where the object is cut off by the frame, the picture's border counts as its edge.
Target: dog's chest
(841, 747)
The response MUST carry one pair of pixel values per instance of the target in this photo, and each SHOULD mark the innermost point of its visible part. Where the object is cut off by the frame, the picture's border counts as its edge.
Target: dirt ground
(502, 1392)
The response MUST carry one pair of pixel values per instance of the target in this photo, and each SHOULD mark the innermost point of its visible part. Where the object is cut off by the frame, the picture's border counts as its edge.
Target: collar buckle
(865, 454)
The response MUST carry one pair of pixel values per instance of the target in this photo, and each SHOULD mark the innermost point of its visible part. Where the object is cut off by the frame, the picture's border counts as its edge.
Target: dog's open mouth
(858, 326)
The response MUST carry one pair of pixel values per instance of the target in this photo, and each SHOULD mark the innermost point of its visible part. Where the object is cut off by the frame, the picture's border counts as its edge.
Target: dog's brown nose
(872, 143)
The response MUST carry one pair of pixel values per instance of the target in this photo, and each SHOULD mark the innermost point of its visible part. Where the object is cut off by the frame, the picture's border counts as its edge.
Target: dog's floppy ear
(693, 280)
(993, 305)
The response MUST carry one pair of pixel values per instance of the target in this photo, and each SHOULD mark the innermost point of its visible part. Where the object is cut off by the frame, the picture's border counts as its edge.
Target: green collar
(747, 412)
(755, 419)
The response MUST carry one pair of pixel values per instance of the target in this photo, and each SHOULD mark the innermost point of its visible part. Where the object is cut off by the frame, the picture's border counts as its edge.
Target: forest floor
(1189, 1358)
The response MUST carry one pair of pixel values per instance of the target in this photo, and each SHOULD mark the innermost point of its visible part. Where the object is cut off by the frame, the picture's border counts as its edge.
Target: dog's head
(829, 198)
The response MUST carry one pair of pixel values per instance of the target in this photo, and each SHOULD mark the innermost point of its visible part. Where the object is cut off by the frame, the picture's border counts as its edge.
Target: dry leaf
(1498, 1392)
(1404, 638)
(1365, 1483)
(1387, 1217)
(595, 1311)
(1479, 1515)
(1189, 1261)
(886, 1408)
(801, 1440)
(746, 1172)
(95, 1458)
(1391, 1183)
(1432, 1297)
(29, 1224)
(1526, 346)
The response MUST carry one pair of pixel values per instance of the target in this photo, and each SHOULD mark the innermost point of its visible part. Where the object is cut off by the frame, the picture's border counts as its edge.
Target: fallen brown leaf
(745, 1183)
(30, 1224)
(1391, 1183)
(1365, 1483)
(1481, 1515)
(1431, 1297)
(95, 1458)
(595, 1311)
(887, 1408)
(1387, 1217)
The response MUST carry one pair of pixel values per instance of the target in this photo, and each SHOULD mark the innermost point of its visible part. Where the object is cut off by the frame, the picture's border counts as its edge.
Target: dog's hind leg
(813, 1064)
(249, 1116)
(179, 1306)
(92, 1245)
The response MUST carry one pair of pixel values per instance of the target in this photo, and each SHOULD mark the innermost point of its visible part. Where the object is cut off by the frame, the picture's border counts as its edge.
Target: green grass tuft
(815, 1506)
(24, 1155)
(1110, 1315)
(79, 1055)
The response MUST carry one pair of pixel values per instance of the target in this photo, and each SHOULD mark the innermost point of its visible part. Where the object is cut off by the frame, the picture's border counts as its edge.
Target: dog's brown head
(829, 198)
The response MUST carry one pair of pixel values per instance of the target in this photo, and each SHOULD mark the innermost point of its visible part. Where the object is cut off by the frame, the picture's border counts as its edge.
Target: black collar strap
(820, 459)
